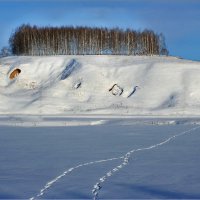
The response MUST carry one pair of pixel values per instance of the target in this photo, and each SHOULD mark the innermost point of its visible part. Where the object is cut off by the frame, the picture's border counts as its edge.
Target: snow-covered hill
(70, 85)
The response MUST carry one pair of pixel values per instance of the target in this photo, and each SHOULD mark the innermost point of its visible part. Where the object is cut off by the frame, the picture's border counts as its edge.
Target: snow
(69, 162)
(64, 135)
(49, 85)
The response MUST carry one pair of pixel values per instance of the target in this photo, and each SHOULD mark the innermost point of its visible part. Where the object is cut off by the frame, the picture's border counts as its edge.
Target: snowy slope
(70, 85)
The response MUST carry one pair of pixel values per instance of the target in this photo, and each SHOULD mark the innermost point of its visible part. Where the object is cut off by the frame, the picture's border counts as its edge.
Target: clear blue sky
(178, 20)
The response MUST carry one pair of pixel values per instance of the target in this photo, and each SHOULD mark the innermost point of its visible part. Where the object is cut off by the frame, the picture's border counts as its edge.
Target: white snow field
(99, 127)
(68, 85)
(120, 159)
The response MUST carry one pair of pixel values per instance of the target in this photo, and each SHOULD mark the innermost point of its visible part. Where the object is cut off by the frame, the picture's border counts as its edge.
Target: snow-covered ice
(68, 162)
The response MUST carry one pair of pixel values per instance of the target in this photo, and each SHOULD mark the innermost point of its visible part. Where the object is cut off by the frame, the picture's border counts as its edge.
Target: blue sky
(178, 20)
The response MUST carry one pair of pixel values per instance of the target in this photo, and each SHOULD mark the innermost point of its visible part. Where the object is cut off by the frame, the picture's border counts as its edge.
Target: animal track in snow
(50, 183)
(97, 187)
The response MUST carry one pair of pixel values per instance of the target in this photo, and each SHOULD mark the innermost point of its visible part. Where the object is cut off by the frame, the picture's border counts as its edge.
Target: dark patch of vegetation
(33, 40)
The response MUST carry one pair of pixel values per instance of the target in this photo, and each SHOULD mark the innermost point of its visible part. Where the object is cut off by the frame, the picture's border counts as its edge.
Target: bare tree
(5, 51)
(33, 40)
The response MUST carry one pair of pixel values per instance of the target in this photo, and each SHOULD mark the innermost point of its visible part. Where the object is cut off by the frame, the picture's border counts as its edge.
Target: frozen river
(68, 162)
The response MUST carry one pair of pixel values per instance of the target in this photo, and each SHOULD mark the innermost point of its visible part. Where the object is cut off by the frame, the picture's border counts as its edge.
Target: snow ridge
(50, 183)
(97, 187)
(69, 69)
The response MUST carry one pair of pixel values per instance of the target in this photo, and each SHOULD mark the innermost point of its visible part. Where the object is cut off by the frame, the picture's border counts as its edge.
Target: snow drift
(80, 85)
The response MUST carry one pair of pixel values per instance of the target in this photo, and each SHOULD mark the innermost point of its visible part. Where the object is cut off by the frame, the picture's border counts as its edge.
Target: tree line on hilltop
(33, 40)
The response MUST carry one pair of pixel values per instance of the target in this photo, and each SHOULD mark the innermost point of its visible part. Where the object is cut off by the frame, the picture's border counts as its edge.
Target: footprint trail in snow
(50, 183)
(97, 187)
